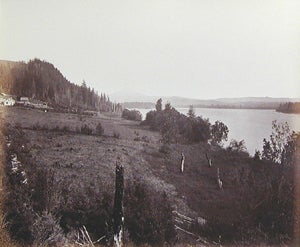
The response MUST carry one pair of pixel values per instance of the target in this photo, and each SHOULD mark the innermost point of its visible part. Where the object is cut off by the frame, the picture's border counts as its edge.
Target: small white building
(24, 99)
(9, 102)
(6, 100)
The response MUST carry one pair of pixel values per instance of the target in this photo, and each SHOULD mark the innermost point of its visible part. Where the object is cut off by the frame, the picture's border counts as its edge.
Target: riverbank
(55, 143)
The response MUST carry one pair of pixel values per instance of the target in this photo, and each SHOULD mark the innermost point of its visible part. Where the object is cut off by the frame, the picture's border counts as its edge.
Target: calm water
(248, 125)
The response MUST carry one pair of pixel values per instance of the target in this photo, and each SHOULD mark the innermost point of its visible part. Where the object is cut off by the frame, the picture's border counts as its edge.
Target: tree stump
(118, 216)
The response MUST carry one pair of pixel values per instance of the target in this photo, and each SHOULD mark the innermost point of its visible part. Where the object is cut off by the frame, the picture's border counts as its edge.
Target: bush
(198, 130)
(165, 149)
(86, 130)
(65, 129)
(137, 136)
(132, 115)
(150, 119)
(145, 139)
(56, 128)
(45, 127)
(149, 216)
(47, 231)
(219, 132)
(280, 147)
(16, 201)
(175, 126)
(116, 135)
(218, 231)
(36, 126)
(99, 130)
(237, 146)
(93, 213)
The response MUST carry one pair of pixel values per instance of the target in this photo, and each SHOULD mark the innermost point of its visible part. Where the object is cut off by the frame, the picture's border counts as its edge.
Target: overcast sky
(199, 49)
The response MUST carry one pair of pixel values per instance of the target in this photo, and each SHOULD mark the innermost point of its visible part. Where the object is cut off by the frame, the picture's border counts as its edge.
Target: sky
(201, 49)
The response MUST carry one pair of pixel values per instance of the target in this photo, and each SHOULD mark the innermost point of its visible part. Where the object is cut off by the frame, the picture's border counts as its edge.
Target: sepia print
(149, 123)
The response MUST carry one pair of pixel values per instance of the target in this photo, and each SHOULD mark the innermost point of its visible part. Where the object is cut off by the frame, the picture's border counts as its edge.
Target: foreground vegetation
(266, 211)
(48, 200)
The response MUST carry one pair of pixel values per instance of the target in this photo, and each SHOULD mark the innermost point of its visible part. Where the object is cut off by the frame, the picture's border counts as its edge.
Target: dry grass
(89, 161)
(5, 239)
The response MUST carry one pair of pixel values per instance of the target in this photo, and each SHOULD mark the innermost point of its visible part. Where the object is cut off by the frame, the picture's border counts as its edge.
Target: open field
(88, 159)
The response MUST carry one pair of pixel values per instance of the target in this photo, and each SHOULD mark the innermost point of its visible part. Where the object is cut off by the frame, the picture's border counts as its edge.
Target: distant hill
(42, 81)
(138, 100)
(247, 103)
(145, 105)
(256, 99)
(129, 95)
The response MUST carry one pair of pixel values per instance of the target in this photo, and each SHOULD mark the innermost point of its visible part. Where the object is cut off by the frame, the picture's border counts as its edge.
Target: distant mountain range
(131, 99)
(41, 80)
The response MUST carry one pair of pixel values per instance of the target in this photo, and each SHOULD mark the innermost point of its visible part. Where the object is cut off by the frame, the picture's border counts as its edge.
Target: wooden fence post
(118, 216)
(220, 183)
(208, 160)
(182, 163)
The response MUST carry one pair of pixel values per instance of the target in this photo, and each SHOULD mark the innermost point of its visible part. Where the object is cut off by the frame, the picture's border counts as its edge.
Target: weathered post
(182, 163)
(208, 160)
(220, 183)
(118, 217)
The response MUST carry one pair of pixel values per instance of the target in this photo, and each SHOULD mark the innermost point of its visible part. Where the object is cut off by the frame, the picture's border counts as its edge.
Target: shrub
(137, 136)
(219, 231)
(150, 119)
(77, 130)
(198, 129)
(149, 216)
(132, 115)
(175, 126)
(5, 239)
(56, 128)
(47, 231)
(165, 149)
(96, 216)
(257, 155)
(42, 184)
(219, 132)
(99, 130)
(145, 139)
(116, 135)
(36, 126)
(16, 201)
(237, 146)
(86, 130)
(18, 125)
(65, 129)
(280, 147)
(45, 127)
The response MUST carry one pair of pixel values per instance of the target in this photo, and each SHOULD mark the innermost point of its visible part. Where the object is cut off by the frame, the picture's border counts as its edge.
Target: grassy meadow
(73, 168)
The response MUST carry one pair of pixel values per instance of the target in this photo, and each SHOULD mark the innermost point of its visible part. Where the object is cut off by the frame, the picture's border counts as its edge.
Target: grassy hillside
(41, 80)
(5, 238)
(81, 168)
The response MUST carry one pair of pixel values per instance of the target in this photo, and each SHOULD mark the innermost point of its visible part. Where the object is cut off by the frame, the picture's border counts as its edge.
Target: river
(249, 125)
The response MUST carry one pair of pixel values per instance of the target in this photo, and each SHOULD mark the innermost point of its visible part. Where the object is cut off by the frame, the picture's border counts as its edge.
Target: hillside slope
(41, 80)
(86, 163)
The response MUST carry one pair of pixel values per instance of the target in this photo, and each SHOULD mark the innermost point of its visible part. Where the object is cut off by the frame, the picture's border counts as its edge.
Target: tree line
(177, 127)
(41, 80)
(289, 107)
